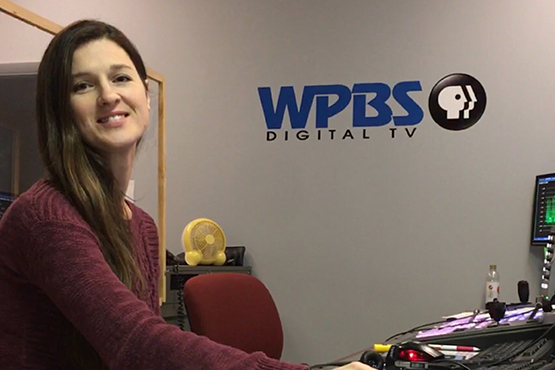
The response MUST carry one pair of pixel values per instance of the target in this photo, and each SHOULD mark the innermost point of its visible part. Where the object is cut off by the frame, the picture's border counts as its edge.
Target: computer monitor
(543, 219)
(5, 200)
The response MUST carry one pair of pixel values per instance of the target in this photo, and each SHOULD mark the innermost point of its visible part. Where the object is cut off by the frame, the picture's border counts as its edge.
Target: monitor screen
(5, 201)
(543, 218)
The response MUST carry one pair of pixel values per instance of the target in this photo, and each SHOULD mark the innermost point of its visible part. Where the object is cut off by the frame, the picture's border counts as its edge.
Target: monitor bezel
(534, 210)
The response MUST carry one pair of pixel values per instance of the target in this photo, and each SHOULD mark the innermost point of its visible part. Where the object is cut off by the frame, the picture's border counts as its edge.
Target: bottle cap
(492, 267)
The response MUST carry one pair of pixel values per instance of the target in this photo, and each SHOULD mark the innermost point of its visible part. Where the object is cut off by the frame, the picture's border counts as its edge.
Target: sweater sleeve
(149, 234)
(64, 260)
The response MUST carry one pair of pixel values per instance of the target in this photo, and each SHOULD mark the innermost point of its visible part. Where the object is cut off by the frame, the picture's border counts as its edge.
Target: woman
(78, 263)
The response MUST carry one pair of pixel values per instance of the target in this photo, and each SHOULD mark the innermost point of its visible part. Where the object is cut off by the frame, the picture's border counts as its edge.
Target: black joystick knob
(496, 310)
(373, 359)
(523, 291)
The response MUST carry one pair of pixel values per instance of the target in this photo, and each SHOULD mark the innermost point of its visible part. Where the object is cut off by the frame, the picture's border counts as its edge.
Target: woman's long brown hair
(79, 171)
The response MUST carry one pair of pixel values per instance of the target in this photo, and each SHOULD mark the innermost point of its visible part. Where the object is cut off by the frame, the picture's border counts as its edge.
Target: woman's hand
(355, 366)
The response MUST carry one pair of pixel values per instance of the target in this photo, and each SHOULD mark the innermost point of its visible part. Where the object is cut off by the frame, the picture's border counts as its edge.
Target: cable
(329, 364)
(353, 354)
(451, 362)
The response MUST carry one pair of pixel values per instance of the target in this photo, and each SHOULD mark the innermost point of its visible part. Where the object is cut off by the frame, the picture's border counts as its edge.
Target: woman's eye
(122, 78)
(80, 86)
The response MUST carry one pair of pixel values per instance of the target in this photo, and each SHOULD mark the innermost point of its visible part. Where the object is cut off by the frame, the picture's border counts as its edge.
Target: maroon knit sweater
(52, 273)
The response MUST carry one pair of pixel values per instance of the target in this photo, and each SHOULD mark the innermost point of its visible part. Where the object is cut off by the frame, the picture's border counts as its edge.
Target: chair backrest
(234, 309)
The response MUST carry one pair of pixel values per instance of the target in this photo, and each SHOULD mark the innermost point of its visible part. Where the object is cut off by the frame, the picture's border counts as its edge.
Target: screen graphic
(544, 208)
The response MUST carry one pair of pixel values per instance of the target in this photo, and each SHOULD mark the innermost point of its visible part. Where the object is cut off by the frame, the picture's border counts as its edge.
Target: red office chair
(234, 309)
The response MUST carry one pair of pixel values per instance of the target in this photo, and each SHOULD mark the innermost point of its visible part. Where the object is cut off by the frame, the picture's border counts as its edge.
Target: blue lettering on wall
(414, 112)
(378, 92)
(378, 102)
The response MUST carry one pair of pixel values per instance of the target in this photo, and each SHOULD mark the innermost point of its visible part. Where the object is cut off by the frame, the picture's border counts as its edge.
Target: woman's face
(109, 101)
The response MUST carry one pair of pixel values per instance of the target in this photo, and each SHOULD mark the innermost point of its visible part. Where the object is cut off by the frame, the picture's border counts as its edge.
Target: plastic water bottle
(492, 284)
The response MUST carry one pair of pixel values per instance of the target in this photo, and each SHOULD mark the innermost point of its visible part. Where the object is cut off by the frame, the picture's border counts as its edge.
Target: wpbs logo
(457, 101)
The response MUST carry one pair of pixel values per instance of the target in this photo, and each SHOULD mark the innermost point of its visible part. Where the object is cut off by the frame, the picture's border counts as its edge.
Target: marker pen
(447, 347)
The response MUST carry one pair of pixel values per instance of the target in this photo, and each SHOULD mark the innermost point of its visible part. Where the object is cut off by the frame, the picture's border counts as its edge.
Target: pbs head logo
(457, 101)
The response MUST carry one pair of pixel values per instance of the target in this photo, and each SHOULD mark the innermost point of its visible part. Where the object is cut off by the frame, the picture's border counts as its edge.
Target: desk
(172, 310)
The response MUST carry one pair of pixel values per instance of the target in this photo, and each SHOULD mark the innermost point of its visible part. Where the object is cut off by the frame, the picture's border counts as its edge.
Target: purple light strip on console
(480, 322)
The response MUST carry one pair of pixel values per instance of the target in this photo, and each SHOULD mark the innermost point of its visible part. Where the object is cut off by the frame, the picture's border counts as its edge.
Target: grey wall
(356, 239)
